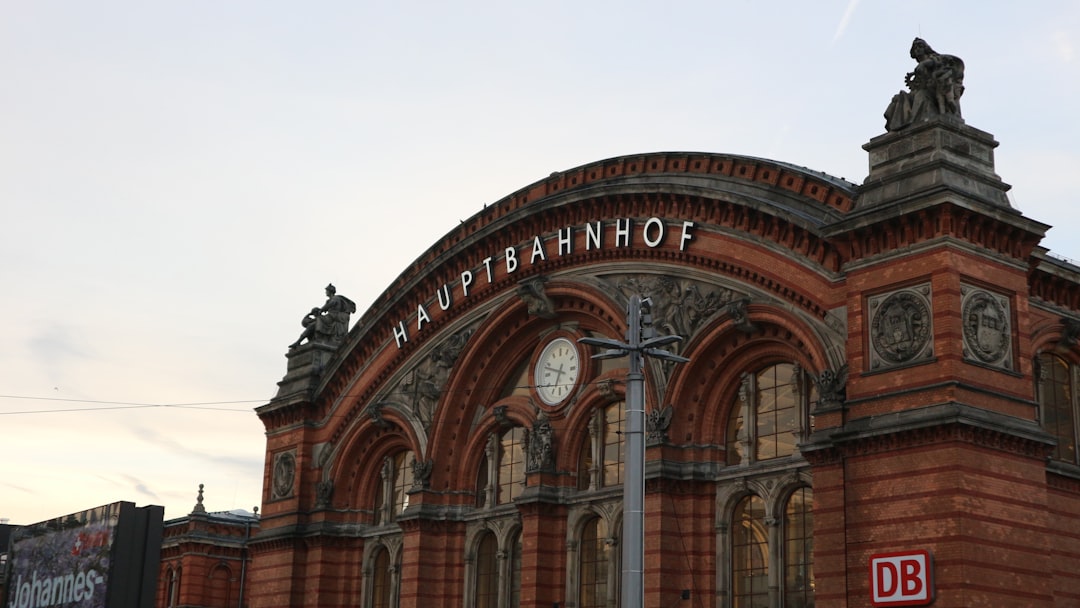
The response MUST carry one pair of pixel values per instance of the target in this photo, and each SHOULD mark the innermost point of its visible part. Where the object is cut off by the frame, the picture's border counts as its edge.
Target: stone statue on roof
(328, 324)
(935, 87)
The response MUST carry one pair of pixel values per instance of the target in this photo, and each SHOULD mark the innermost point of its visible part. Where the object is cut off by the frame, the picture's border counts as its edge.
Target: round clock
(557, 371)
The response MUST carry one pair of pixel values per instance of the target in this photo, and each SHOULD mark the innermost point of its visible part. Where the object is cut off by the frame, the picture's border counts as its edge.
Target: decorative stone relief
(501, 418)
(740, 316)
(421, 474)
(987, 327)
(831, 388)
(284, 475)
(901, 327)
(657, 423)
(1070, 334)
(679, 306)
(324, 491)
(532, 292)
(422, 386)
(539, 444)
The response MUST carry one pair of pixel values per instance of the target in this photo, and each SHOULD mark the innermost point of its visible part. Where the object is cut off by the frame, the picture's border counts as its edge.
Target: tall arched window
(749, 555)
(511, 465)
(219, 587)
(605, 447)
(487, 572)
(381, 579)
(392, 494)
(613, 444)
(1058, 404)
(799, 550)
(769, 416)
(593, 568)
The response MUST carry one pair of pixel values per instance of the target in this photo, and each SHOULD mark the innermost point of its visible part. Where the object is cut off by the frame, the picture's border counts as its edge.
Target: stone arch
(720, 355)
(358, 485)
(506, 338)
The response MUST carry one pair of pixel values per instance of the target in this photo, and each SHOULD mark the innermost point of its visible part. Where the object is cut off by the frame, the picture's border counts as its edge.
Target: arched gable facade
(462, 448)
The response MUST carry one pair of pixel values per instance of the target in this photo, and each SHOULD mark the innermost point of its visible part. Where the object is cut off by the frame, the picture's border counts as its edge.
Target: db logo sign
(901, 579)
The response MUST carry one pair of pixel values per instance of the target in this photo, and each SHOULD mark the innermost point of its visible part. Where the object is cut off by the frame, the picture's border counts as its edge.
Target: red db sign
(901, 579)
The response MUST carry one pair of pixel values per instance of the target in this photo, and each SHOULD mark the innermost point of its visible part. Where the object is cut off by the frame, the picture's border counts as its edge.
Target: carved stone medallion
(901, 327)
(284, 475)
(987, 334)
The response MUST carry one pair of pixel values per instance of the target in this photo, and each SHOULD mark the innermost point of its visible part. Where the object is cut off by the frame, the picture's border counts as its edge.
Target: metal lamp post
(633, 543)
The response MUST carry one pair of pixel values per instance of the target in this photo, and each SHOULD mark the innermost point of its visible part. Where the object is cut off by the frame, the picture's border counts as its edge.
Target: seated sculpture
(328, 324)
(935, 87)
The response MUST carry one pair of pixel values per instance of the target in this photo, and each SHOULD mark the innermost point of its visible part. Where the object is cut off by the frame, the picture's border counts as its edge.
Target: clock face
(557, 371)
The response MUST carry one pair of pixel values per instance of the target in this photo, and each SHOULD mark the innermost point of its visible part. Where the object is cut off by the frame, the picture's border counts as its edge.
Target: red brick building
(204, 559)
(874, 369)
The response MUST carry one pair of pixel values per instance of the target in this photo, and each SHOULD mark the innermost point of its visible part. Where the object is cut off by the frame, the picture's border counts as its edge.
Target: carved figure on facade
(423, 385)
(900, 327)
(934, 88)
(375, 411)
(421, 473)
(832, 387)
(324, 491)
(657, 423)
(740, 315)
(987, 333)
(329, 323)
(539, 443)
(679, 306)
(533, 293)
(1070, 334)
(499, 411)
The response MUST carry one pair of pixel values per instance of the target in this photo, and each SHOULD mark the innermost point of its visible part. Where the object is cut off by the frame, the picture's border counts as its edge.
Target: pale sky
(180, 180)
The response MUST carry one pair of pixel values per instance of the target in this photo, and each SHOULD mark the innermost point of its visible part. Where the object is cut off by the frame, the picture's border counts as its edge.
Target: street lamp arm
(665, 355)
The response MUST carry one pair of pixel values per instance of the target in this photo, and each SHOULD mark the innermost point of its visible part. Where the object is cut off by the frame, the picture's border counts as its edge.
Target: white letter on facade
(401, 335)
(622, 232)
(511, 260)
(487, 267)
(421, 317)
(686, 236)
(466, 280)
(592, 235)
(538, 250)
(444, 297)
(659, 227)
(566, 242)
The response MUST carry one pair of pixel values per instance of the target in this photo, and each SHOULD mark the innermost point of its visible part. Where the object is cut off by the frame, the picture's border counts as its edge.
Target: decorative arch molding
(750, 200)
(720, 354)
(357, 483)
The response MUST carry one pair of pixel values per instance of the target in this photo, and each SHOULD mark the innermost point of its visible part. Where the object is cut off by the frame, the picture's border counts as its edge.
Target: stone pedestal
(306, 365)
(942, 155)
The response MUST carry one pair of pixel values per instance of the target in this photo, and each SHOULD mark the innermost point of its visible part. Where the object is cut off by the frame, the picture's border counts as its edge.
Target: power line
(122, 405)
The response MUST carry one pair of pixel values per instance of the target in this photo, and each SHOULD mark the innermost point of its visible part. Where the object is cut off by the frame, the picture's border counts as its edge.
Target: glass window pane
(749, 555)
(594, 565)
(511, 465)
(613, 444)
(487, 573)
(799, 550)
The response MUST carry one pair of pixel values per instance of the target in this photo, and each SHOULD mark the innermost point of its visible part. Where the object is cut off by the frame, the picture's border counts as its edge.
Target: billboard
(106, 557)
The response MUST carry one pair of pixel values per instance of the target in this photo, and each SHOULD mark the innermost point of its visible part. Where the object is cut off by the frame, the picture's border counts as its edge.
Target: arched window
(605, 446)
(749, 555)
(1058, 404)
(511, 465)
(593, 567)
(381, 581)
(219, 587)
(769, 416)
(172, 592)
(487, 572)
(799, 550)
(392, 495)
